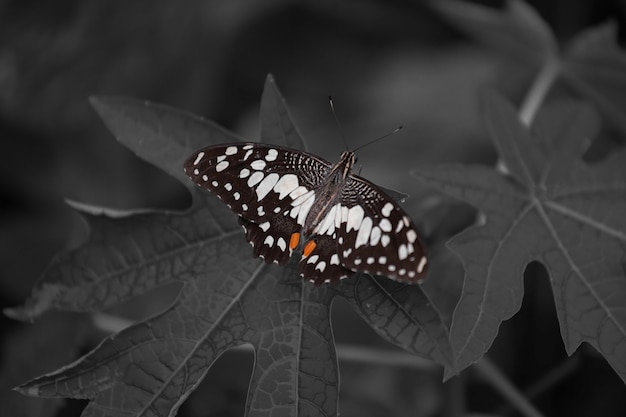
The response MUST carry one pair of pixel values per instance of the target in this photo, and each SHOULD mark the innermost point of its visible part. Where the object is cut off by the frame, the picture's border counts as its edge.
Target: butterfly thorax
(330, 191)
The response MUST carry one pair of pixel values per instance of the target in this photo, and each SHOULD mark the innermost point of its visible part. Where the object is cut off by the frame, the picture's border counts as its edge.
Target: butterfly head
(348, 158)
(345, 164)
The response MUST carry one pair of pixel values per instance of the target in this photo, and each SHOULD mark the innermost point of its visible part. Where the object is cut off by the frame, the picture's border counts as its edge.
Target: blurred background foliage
(386, 63)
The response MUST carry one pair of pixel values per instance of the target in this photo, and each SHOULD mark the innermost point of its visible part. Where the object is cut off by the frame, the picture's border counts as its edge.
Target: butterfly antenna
(332, 108)
(396, 130)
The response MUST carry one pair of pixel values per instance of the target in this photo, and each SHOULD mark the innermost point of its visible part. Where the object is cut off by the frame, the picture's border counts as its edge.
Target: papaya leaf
(228, 297)
(515, 31)
(595, 67)
(550, 207)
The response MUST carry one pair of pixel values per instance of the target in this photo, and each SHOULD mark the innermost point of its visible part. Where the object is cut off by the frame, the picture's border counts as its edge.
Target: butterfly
(291, 201)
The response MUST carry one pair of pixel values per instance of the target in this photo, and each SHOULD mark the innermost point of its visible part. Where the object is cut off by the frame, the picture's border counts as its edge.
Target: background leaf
(516, 30)
(553, 208)
(595, 67)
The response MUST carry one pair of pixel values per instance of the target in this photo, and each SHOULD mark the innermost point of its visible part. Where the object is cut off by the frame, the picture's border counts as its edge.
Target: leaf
(516, 30)
(595, 66)
(51, 342)
(228, 298)
(552, 208)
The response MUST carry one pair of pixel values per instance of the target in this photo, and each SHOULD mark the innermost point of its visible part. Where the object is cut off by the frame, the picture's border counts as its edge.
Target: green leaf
(228, 298)
(550, 207)
(595, 66)
(516, 31)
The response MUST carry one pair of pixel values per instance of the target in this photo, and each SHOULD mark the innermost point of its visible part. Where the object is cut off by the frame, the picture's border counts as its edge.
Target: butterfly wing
(376, 236)
(323, 265)
(269, 187)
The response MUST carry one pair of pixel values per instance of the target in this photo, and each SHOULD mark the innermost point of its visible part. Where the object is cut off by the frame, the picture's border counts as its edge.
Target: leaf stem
(539, 89)
(377, 356)
(492, 375)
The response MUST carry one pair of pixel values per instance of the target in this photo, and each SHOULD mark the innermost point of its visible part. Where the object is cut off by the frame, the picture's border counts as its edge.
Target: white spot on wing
(265, 226)
(247, 155)
(421, 265)
(344, 214)
(386, 211)
(411, 235)
(375, 236)
(305, 207)
(244, 173)
(247, 147)
(328, 223)
(385, 225)
(236, 195)
(285, 185)
(259, 164)
(281, 243)
(382, 260)
(221, 158)
(228, 186)
(297, 193)
(334, 260)
(198, 158)
(321, 266)
(221, 166)
(266, 185)
(384, 240)
(255, 179)
(402, 252)
(355, 217)
(301, 198)
(269, 240)
(312, 259)
(271, 155)
(363, 236)
(231, 150)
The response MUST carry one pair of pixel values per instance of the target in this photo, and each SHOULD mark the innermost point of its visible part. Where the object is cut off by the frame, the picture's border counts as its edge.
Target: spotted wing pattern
(271, 188)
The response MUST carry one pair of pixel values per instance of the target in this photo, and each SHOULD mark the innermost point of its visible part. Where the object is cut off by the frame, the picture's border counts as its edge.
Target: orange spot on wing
(308, 248)
(293, 241)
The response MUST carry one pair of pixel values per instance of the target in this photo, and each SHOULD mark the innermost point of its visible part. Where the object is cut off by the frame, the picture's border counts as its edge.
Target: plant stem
(539, 89)
(376, 356)
(492, 375)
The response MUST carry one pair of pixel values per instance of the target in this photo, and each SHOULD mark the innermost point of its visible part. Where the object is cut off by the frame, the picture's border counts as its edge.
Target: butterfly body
(289, 200)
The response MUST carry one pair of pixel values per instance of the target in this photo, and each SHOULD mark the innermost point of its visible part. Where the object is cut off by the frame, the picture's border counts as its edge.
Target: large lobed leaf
(593, 64)
(228, 298)
(550, 207)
